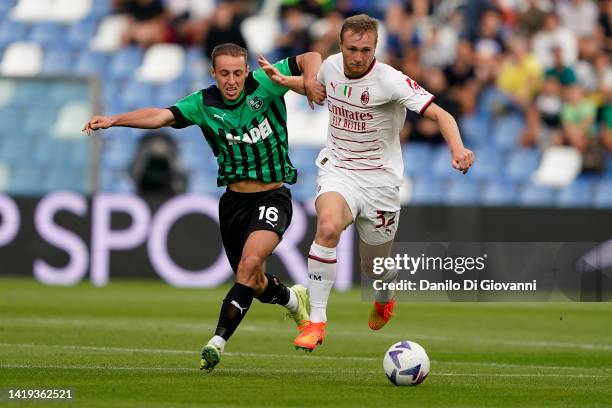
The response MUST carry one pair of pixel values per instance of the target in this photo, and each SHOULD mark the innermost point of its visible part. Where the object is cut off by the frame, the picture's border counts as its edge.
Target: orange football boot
(311, 335)
(380, 314)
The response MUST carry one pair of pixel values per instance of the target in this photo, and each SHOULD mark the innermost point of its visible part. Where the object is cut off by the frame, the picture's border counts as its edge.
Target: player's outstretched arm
(295, 83)
(461, 158)
(146, 118)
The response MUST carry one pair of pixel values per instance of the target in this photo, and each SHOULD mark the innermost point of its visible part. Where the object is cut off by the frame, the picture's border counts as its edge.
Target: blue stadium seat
(65, 92)
(577, 194)
(440, 163)
(416, 157)
(99, 9)
(80, 33)
(48, 34)
(603, 194)
(91, 63)
(304, 158)
(16, 149)
(204, 183)
(25, 181)
(608, 166)
(44, 117)
(170, 93)
(60, 178)
(57, 61)
(476, 128)
(499, 193)
(507, 130)
(5, 7)
(12, 117)
(536, 196)
(488, 165)
(136, 94)
(11, 31)
(463, 193)
(114, 181)
(427, 191)
(196, 155)
(306, 186)
(521, 164)
(124, 63)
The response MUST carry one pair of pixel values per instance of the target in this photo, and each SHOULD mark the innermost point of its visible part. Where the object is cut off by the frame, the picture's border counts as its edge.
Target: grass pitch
(137, 344)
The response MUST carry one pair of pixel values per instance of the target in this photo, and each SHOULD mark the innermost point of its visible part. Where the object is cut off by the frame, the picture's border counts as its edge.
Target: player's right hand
(315, 92)
(97, 122)
(462, 159)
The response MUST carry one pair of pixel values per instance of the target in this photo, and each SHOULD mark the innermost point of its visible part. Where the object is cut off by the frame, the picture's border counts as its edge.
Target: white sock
(321, 276)
(292, 304)
(385, 295)
(218, 342)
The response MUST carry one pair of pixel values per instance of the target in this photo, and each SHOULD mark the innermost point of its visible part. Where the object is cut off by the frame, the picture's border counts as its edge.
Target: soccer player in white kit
(361, 166)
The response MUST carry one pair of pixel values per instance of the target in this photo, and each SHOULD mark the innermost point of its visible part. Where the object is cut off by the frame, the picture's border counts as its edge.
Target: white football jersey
(366, 115)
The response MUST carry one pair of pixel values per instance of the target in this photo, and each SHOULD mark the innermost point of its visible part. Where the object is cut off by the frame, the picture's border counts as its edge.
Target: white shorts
(375, 210)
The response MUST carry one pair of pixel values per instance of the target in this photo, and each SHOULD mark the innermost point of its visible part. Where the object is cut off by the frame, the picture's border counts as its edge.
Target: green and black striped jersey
(248, 136)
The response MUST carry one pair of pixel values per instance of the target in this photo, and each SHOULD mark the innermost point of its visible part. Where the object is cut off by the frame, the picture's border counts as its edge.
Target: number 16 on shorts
(269, 214)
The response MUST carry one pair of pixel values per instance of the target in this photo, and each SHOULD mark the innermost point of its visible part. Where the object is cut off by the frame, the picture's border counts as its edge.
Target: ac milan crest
(365, 97)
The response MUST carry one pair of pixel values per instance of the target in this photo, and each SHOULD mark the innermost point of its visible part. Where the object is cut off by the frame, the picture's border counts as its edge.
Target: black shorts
(242, 213)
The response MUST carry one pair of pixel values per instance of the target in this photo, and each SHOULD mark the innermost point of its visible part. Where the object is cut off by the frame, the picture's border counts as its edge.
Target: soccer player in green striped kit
(243, 118)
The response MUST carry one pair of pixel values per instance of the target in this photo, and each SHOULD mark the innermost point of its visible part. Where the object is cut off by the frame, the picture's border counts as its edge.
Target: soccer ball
(406, 363)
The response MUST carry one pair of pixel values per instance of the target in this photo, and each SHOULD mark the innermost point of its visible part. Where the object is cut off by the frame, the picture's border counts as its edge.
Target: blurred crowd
(547, 62)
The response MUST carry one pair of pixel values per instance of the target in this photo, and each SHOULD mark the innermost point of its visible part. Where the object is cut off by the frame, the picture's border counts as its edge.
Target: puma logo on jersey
(253, 135)
(242, 309)
(271, 223)
(219, 117)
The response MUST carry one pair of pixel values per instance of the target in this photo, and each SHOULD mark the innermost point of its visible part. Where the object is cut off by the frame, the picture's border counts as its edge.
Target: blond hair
(359, 24)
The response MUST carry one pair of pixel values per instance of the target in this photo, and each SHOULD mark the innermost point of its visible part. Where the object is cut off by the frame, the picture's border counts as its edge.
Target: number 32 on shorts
(386, 220)
(270, 214)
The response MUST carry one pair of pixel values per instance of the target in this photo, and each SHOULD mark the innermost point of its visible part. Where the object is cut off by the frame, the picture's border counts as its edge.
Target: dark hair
(231, 49)
(359, 24)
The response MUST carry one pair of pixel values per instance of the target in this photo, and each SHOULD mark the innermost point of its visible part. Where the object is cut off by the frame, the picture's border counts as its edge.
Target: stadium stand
(49, 49)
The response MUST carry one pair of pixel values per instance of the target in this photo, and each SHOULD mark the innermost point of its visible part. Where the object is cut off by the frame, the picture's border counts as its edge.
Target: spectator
(606, 123)
(461, 78)
(551, 36)
(544, 117)
(325, 33)
(420, 128)
(578, 117)
(562, 72)
(605, 24)
(580, 16)
(520, 76)
(439, 46)
(294, 38)
(224, 27)
(489, 35)
(189, 17)
(585, 67)
(148, 22)
(531, 19)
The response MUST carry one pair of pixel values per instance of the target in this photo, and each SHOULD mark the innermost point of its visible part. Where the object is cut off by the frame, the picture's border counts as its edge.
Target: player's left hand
(462, 159)
(270, 70)
(315, 92)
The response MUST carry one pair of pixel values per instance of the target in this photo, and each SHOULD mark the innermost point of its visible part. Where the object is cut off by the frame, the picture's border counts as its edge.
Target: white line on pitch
(294, 355)
(278, 371)
(133, 323)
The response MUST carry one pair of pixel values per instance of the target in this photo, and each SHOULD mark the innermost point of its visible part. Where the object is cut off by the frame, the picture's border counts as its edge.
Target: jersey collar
(362, 75)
